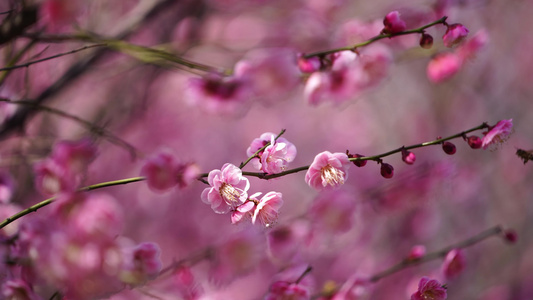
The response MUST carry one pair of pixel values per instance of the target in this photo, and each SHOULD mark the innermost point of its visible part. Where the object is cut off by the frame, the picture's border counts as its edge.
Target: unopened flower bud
(449, 148)
(510, 236)
(426, 41)
(454, 35)
(416, 252)
(408, 157)
(387, 170)
(358, 163)
(393, 23)
(474, 142)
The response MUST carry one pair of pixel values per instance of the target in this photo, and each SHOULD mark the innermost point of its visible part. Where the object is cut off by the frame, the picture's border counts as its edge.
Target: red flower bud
(449, 148)
(387, 170)
(474, 142)
(426, 41)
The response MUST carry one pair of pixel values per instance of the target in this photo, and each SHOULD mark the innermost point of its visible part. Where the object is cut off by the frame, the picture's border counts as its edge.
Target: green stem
(376, 38)
(44, 203)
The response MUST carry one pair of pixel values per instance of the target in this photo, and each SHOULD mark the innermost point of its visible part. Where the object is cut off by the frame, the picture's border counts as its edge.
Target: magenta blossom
(142, 263)
(228, 189)
(274, 158)
(498, 133)
(243, 212)
(328, 169)
(266, 212)
(443, 66)
(163, 171)
(429, 290)
(393, 23)
(454, 263)
(282, 290)
(454, 35)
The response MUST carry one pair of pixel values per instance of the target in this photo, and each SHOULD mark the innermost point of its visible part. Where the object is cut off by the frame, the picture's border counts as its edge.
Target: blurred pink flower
(408, 157)
(141, 263)
(186, 284)
(328, 170)
(455, 34)
(52, 178)
(355, 288)
(429, 290)
(332, 212)
(6, 187)
(282, 290)
(228, 189)
(416, 252)
(268, 209)
(473, 45)
(454, 263)
(18, 289)
(308, 65)
(163, 171)
(274, 158)
(498, 133)
(443, 66)
(74, 155)
(220, 95)
(393, 23)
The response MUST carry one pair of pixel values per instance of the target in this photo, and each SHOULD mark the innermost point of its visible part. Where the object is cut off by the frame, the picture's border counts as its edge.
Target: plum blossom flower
(429, 289)
(454, 35)
(228, 190)
(274, 158)
(142, 263)
(328, 170)
(498, 133)
(18, 289)
(282, 290)
(393, 23)
(443, 66)
(163, 171)
(243, 211)
(266, 212)
(454, 263)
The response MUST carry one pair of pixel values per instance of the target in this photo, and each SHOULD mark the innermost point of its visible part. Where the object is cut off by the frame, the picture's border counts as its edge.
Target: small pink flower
(274, 158)
(328, 169)
(282, 290)
(408, 157)
(52, 178)
(473, 45)
(454, 35)
(416, 252)
(6, 187)
(498, 133)
(355, 288)
(142, 263)
(218, 94)
(163, 171)
(308, 65)
(443, 66)
(332, 212)
(268, 209)
(242, 212)
(429, 290)
(75, 155)
(393, 23)
(454, 263)
(228, 189)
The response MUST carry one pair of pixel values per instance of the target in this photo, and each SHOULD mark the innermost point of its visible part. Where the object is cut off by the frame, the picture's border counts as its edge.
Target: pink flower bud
(426, 41)
(510, 236)
(449, 148)
(474, 142)
(417, 252)
(443, 66)
(408, 157)
(387, 170)
(308, 65)
(454, 35)
(393, 23)
(358, 163)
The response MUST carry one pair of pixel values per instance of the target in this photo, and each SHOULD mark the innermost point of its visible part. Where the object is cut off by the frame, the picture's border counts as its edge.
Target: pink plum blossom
(6, 187)
(274, 158)
(355, 288)
(308, 65)
(332, 211)
(498, 133)
(267, 210)
(429, 289)
(74, 155)
(393, 23)
(216, 94)
(443, 66)
(142, 263)
(454, 263)
(18, 289)
(282, 290)
(454, 35)
(408, 157)
(163, 171)
(243, 212)
(328, 170)
(416, 252)
(228, 190)
(473, 45)
(52, 178)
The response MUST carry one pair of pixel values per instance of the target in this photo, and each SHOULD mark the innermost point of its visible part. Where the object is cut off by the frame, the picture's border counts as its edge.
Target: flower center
(230, 194)
(332, 176)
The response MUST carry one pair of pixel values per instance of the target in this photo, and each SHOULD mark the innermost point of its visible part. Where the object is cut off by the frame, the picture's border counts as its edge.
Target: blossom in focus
(266, 212)
(274, 158)
(454, 35)
(393, 23)
(142, 263)
(498, 133)
(163, 171)
(282, 290)
(228, 190)
(454, 263)
(243, 212)
(443, 66)
(429, 289)
(328, 170)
